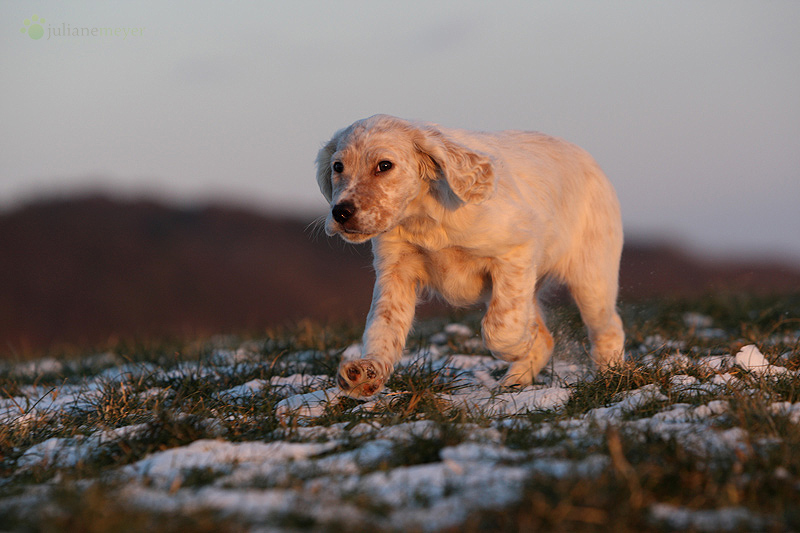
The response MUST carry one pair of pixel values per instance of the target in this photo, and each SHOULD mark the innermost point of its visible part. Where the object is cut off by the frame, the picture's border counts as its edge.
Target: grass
(171, 394)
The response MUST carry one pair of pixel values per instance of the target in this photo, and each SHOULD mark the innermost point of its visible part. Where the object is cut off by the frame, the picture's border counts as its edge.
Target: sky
(691, 108)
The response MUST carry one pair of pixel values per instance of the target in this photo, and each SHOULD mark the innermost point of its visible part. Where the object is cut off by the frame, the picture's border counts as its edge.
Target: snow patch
(724, 519)
(220, 455)
(628, 402)
(750, 358)
(311, 404)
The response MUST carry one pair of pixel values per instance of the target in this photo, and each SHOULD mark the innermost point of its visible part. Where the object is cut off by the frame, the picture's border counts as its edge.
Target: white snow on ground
(292, 385)
(750, 358)
(162, 468)
(725, 519)
(311, 404)
(337, 473)
(628, 401)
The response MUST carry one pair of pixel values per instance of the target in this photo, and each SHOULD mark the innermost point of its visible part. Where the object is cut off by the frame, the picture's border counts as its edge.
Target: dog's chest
(459, 276)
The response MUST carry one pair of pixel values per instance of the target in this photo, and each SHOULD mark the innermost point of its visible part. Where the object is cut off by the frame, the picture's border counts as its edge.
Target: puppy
(466, 213)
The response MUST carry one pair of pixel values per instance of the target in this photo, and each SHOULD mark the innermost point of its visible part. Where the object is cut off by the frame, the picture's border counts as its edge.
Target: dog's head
(373, 171)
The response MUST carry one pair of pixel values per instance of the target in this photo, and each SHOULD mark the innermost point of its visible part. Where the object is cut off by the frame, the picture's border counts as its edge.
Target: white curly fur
(466, 213)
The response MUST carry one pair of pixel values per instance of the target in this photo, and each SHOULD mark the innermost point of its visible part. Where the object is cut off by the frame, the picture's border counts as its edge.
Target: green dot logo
(33, 27)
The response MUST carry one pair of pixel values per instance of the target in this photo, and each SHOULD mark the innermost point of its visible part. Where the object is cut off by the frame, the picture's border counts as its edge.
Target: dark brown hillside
(655, 270)
(89, 269)
(92, 269)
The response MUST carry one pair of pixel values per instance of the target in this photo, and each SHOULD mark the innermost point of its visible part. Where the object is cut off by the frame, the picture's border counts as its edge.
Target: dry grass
(174, 403)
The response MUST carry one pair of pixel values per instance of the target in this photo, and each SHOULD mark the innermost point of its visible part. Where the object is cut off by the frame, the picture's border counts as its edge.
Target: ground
(699, 430)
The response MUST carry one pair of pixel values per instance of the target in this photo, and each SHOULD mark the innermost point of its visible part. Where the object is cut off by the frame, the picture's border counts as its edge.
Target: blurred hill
(93, 269)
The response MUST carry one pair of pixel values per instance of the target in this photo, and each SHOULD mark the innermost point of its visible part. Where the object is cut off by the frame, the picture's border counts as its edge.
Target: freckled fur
(463, 212)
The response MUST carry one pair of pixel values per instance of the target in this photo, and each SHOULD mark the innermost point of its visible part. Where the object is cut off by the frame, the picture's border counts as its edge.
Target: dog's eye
(383, 166)
(338, 167)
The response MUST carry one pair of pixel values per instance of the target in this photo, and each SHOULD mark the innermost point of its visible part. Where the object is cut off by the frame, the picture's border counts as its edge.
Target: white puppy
(464, 213)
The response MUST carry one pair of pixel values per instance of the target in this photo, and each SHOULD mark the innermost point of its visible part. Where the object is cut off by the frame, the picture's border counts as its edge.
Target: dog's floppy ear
(324, 166)
(468, 174)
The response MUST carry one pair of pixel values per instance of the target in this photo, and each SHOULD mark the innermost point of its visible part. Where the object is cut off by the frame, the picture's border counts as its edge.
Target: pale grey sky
(692, 108)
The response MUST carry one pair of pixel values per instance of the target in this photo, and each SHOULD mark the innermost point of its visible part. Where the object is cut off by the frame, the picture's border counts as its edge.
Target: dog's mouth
(350, 233)
(355, 236)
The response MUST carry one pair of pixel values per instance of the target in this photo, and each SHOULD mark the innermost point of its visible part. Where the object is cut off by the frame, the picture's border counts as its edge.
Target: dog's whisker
(316, 227)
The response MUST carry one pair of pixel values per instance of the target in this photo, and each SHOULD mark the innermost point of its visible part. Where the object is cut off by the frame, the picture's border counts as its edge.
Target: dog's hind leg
(593, 282)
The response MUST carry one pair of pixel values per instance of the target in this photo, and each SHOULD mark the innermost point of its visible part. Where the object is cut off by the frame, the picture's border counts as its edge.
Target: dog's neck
(428, 222)
(422, 232)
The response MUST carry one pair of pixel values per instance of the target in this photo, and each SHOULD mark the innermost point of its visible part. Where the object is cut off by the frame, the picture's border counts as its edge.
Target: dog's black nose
(343, 212)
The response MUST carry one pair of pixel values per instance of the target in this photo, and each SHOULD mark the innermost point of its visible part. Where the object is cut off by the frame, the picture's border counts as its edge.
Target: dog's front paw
(361, 378)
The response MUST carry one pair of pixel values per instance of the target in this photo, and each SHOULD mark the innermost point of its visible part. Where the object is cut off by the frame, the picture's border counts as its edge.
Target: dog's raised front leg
(513, 328)
(399, 272)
